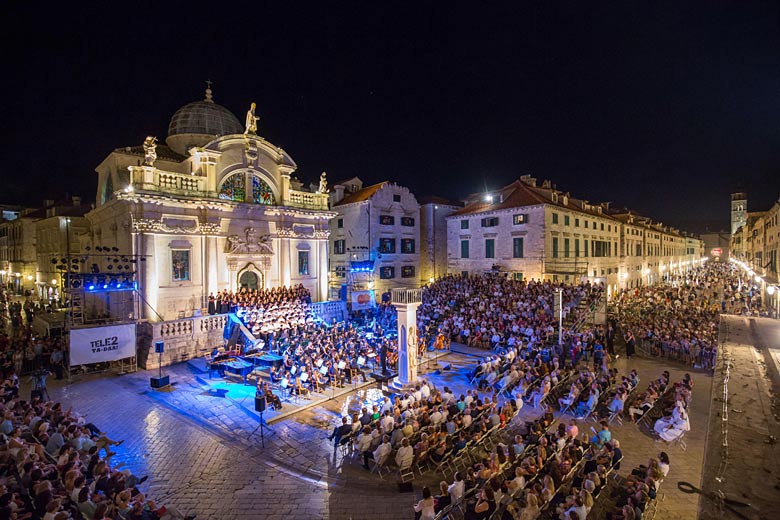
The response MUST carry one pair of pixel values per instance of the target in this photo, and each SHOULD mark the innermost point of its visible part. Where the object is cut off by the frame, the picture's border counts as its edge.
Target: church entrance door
(248, 281)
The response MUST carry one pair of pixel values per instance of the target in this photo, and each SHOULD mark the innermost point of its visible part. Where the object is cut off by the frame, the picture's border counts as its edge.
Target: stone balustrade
(152, 179)
(183, 339)
(406, 295)
(305, 199)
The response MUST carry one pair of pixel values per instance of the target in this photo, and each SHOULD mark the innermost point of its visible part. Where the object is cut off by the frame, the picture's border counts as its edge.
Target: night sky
(660, 107)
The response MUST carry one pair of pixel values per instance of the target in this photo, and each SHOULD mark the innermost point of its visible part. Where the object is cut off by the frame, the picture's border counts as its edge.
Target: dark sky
(663, 107)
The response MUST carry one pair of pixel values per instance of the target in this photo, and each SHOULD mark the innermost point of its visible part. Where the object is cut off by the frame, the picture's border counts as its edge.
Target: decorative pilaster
(323, 270)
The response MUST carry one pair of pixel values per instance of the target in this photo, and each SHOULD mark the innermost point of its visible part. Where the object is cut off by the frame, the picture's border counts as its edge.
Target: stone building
(375, 238)
(60, 229)
(17, 251)
(215, 207)
(433, 236)
(755, 244)
(524, 230)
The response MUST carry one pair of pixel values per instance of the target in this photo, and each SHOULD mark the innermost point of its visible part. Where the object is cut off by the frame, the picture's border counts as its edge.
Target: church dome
(197, 123)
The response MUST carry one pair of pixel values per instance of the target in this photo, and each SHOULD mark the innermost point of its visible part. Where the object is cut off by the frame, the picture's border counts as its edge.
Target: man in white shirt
(457, 488)
(382, 451)
(387, 423)
(405, 455)
(425, 390)
(436, 416)
(387, 405)
(469, 398)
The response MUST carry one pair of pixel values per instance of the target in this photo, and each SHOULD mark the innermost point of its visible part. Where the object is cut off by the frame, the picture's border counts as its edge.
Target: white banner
(102, 344)
(362, 300)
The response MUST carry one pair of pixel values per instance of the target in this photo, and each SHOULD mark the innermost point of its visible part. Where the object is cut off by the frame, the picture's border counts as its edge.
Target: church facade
(216, 207)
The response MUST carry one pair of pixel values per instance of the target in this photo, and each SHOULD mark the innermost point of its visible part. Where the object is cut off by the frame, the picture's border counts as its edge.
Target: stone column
(323, 270)
(407, 343)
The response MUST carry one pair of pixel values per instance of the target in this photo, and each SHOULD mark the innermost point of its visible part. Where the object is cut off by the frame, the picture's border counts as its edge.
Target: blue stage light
(91, 287)
(105, 286)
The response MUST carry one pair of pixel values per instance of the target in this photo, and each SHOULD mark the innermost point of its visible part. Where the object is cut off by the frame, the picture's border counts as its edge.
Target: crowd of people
(494, 311)
(56, 466)
(680, 320)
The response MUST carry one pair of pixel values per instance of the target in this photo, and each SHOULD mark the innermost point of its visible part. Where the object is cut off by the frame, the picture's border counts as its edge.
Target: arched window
(261, 191)
(233, 188)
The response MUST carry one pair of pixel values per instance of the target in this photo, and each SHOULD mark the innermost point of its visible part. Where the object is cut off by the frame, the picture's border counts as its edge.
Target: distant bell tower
(738, 211)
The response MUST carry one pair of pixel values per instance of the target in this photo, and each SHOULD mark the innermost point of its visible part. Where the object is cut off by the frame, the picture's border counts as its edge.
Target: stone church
(215, 207)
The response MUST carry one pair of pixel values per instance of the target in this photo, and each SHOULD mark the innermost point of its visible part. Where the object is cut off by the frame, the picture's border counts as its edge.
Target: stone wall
(184, 339)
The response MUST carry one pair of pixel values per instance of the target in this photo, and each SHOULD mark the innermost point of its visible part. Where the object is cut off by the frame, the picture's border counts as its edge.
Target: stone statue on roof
(150, 150)
(323, 184)
(251, 121)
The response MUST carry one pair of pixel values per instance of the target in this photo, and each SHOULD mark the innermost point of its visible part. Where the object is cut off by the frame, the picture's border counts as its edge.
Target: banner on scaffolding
(362, 300)
(102, 344)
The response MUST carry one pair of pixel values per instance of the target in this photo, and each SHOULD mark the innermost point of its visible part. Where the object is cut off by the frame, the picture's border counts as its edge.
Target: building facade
(216, 207)
(375, 238)
(755, 245)
(60, 230)
(433, 236)
(17, 252)
(528, 231)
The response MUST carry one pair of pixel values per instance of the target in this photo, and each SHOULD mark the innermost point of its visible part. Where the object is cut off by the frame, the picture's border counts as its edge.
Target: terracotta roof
(515, 195)
(361, 195)
(519, 194)
(163, 152)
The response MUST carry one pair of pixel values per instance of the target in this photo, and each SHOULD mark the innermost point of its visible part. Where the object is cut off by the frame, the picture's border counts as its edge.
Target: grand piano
(227, 366)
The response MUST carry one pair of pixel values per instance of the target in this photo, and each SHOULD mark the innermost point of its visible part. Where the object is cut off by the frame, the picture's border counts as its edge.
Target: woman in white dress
(671, 428)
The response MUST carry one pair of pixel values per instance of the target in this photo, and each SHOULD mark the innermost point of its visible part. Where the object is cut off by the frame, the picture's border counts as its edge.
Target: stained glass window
(233, 188)
(261, 191)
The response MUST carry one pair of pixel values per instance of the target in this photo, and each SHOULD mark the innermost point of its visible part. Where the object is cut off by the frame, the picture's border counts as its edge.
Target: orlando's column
(406, 302)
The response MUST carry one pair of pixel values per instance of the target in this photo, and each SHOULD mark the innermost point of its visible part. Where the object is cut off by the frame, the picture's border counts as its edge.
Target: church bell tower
(738, 211)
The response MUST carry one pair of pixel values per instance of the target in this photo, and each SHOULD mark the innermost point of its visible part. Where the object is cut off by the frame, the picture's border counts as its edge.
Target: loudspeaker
(260, 403)
(160, 382)
(159, 347)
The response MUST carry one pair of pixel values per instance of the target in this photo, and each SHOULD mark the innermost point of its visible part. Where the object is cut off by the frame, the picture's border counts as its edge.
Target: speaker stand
(261, 426)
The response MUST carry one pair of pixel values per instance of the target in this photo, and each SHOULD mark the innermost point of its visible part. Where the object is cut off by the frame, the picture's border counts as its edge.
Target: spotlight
(91, 287)
(105, 286)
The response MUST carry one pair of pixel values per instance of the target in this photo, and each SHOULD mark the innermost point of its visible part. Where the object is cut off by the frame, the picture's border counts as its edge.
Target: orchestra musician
(300, 389)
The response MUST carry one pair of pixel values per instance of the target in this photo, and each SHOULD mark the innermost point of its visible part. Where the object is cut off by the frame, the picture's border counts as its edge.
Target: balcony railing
(148, 178)
(305, 199)
(406, 295)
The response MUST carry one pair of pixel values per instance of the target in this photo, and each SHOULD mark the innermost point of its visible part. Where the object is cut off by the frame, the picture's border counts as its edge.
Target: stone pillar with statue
(406, 302)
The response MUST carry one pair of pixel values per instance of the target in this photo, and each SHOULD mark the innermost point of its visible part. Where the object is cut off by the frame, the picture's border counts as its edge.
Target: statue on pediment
(150, 150)
(323, 184)
(251, 121)
(251, 242)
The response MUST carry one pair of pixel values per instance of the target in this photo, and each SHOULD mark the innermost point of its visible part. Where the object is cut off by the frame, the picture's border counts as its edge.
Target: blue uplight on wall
(364, 266)
(112, 286)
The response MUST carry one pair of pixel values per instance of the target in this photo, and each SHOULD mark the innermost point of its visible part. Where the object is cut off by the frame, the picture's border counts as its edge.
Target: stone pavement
(202, 456)
(744, 464)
